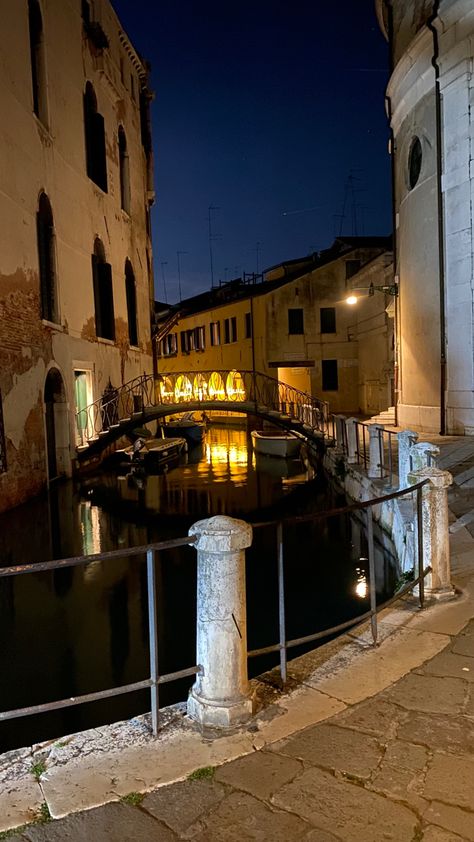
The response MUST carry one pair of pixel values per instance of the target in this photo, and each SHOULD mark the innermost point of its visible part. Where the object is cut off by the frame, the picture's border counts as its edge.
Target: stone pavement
(388, 758)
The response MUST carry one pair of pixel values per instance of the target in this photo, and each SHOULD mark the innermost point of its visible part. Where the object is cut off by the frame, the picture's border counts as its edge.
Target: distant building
(76, 286)
(430, 97)
(295, 325)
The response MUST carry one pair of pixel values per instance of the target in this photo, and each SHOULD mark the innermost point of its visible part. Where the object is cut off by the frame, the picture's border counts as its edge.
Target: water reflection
(85, 628)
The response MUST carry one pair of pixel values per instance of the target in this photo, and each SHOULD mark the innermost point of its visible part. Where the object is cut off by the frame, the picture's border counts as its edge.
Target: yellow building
(294, 325)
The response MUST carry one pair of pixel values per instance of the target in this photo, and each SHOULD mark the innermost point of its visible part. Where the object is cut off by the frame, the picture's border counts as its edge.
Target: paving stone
(350, 812)
(450, 664)
(439, 733)
(181, 804)
(317, 835)
(242, 818)
(452, 819)
(464, 643)
(400, 770)
(261, 773)
(437, 834)
(377, 716)
(450, 778)
(110, 823)
(428, 693)
(333, 747)
(469, 709)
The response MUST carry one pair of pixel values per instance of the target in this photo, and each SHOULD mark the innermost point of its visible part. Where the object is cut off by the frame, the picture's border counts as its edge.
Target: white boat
(281, 444)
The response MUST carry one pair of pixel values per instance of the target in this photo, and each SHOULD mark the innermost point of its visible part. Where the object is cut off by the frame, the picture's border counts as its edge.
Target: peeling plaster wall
(35, 158)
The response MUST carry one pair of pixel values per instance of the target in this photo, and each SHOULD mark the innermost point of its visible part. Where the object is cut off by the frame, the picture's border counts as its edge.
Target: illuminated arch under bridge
(147, 398)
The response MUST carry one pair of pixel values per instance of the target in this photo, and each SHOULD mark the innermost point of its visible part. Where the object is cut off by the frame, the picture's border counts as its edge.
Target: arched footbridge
(147, 398)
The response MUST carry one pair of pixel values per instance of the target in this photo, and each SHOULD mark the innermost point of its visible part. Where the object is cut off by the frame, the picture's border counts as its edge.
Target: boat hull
(281, 446)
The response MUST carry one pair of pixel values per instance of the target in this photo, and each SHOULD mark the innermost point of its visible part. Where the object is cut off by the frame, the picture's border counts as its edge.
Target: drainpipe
(396, 325)
(439, 167)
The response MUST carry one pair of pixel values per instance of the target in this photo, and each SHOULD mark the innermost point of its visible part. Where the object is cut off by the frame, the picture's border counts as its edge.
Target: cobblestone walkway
(399, 767)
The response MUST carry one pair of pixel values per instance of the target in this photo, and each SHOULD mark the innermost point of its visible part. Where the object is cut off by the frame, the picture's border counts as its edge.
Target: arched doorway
(57, 425)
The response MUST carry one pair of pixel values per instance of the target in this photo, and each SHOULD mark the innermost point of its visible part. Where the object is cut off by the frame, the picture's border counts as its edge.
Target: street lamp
(388, 289)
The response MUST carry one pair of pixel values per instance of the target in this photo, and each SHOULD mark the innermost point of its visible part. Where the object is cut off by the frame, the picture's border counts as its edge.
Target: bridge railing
(220, 542)
(199, 388)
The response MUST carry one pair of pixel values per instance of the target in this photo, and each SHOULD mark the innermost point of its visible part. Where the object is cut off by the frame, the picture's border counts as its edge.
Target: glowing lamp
(351, 299)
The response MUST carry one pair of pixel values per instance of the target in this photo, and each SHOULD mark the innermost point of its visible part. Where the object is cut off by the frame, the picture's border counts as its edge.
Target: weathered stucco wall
(50, 158)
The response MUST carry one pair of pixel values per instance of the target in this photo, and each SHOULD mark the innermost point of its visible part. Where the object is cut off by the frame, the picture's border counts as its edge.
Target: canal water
(82, 629)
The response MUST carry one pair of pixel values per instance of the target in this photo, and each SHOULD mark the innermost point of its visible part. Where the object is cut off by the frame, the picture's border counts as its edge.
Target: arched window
(46, 259)
(103, 293)
(38, 69)
(124, 171)
(94, 128)
(131, 293)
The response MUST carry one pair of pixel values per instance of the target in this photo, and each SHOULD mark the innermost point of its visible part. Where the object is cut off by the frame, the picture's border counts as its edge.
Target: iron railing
(198, 389)
(387, 449)
(155, 679)
(415, 494)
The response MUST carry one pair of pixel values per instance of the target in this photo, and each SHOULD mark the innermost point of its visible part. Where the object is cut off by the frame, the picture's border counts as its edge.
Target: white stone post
(351, 432)
(376, 454)
(220, 697)
(435, 529)
(406, 439)
(423, 455)
(340, 430)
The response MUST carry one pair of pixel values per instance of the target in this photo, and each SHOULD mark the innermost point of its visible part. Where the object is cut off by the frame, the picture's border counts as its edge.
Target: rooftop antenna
(211, 238)
(178, 255)
(350, 191)
(163, 264)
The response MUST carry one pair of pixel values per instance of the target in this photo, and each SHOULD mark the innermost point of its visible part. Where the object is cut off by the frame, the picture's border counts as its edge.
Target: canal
(85, 628)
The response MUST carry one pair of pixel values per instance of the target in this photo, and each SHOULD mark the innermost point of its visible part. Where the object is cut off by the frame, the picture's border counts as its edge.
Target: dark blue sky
(263, 108)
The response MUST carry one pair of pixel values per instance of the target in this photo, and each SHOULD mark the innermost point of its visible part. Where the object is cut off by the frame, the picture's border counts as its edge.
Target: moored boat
(187, 426)
(150, 454)
(275, 443)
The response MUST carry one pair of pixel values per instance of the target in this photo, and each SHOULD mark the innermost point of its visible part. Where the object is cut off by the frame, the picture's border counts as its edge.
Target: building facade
(295, 325)
(429, 96)
(76, 284)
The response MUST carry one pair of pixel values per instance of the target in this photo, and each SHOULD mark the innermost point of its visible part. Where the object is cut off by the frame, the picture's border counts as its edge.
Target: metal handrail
(128, 402)
(155, 678)
(150, 550)
(284, 644)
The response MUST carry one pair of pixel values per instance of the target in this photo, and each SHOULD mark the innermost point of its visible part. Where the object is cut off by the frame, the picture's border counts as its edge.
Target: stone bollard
(405, 441)
(423, 455)
(220, 697)
(340, 422)
(351, 433)
(376, 455)
(435, 526)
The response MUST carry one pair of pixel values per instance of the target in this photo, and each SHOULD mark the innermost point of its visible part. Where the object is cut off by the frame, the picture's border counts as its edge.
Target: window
(131, 295)
(352, 267)
(329, 371)
(169, 345)
(248, 325)
(38, 69)
(200, 338)
(328, 319)
(295, 320)
(191, 340)
(414, 162)
(103, 293)
(184, 342)
(3, 452)
(46, 260)
(215, 331)
(124, 171)
(94, 128)
(230, 330)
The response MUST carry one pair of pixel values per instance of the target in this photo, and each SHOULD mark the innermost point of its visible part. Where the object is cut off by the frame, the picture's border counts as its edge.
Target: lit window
(215, 330)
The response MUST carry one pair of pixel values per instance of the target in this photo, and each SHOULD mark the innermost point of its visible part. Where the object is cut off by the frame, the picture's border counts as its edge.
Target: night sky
(270, 110)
